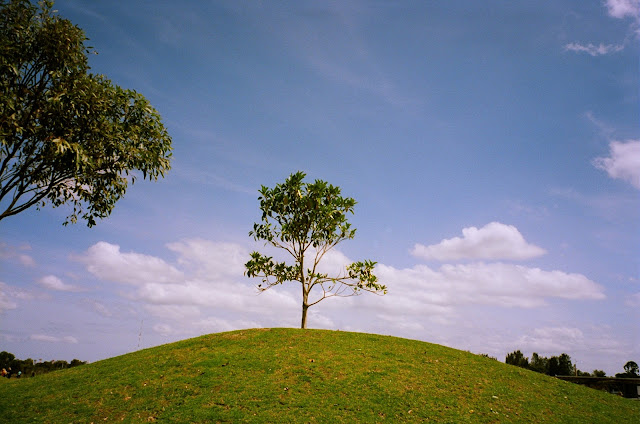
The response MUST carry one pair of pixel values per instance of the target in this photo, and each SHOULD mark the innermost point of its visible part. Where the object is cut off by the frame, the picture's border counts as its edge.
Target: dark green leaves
(362, 272)
(67, 136)
(304, 214)
(307, 220)
(264, 267)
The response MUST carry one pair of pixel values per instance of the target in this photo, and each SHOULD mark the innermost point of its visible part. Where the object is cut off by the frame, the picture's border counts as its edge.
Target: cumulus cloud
(210, 259)
(623, 8)
(623, 161)
(54, 283)
(213, 295)
(497, 284)
(494, 241)
(53, 339)
(564, 339)
(108, 263)
(209, 277)
(551, 340)
(203, 326)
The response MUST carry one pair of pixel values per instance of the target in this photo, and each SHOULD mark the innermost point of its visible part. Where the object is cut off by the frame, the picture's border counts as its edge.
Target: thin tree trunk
(304, 315)
(305, 306)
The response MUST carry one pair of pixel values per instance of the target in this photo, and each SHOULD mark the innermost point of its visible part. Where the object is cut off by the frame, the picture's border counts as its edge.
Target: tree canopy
(555, 365)
(307, 220)
(67, 136)
(631, 370)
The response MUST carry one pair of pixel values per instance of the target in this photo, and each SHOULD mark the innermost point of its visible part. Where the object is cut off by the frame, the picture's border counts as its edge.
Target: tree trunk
(304, 315)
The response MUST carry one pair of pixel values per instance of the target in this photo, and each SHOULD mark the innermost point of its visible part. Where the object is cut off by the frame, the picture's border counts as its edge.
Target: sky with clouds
(493, 149)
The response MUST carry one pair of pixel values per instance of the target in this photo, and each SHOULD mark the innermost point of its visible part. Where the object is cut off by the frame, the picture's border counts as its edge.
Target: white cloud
(203, 326)
(105, 261)
(53, 339)
(212, 260)
(213, 295)
(5, 298)
(414, 290)
(623, 161)
(174, 312)
(236, 297)
(493, 241)
(623, 8)
(26, 260)
(9, 252)
(210, 277)
(551, 340)
(578, 343)
(593, 49)
(618, 9)
(54, 283)
(333, 263)
(216, 324)
(8, 295)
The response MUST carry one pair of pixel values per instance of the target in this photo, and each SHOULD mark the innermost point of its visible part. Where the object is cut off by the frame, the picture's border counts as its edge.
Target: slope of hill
(291, 375)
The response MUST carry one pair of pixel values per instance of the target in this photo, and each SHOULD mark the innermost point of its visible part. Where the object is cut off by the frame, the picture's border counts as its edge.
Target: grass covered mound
(291, 375)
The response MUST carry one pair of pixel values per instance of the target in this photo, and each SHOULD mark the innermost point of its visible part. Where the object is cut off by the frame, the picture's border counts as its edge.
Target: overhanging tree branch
(67, 136)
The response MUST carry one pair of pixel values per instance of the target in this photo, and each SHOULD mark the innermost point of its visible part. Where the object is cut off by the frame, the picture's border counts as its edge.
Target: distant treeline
(561, 365)
(29, 367)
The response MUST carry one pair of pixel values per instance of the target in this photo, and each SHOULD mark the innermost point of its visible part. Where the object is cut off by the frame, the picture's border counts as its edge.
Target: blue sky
(493, 149)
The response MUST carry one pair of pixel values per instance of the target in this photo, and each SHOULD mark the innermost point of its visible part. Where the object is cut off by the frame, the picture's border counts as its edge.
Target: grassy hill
(291, 375)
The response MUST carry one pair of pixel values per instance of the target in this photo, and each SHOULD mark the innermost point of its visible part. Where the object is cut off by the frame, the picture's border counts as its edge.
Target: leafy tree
(67, 136)
(539, 363)
(76, 363)
(630, 370)
(307, 220)
(565, 367)
(6, 359)
(553, 368)
(518, 359)
(599, 373)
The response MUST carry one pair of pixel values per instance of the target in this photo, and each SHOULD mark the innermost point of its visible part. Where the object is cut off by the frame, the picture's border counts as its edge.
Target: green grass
(290, 375)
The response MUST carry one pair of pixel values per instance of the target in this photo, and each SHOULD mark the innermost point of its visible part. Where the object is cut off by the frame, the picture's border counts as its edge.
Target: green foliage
(6, 359)
(556, 365)
(67, 136)
(539, 363)
(518, 359)
(29, 367)
(598, 373)
(294, 376)
(565, 367)
(307, 220)
(630, 370)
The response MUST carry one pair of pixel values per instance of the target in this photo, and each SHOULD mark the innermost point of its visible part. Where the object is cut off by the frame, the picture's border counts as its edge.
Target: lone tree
(631, 370)
(67, 136)
(307, 220)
